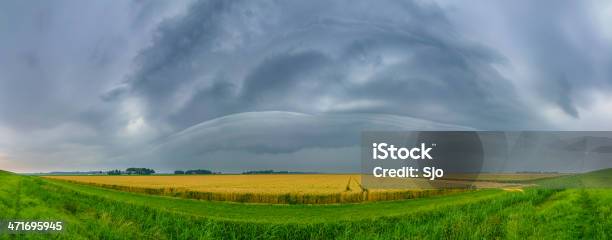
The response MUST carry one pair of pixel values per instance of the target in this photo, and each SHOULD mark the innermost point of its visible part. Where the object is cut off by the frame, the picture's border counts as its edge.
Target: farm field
(95, 212)
(268, 188)
(277, 183)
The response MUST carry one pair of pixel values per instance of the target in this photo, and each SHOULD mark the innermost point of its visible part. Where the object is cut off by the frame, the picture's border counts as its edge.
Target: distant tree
(179, 172)
(198, 171)
(270, 172)
(139, 171)
(259, 172)
(114, 172)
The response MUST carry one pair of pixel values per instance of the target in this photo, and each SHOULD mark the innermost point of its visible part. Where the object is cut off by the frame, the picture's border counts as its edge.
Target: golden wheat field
(256, 183)
(264, 188)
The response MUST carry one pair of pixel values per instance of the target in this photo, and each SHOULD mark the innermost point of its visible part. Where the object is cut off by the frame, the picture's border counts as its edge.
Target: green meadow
(558, 211)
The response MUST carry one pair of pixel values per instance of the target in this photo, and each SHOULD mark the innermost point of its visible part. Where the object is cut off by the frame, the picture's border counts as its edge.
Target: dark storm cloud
(56, 59)
(279, 75)
(563, 44)
(177, 45)
(398, 57)
(54, 53)
(563, 62)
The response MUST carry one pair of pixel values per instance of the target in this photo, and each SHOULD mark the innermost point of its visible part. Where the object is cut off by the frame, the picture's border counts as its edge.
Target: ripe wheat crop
(273, 188)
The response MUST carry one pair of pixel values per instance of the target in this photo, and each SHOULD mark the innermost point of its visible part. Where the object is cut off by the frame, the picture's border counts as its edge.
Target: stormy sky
(289, 85)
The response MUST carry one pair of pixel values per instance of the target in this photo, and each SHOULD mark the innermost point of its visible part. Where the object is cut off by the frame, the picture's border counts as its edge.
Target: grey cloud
(564, 97)
(277, 76)
(215, 101)
(58, 57)
(275, 60)
(562, 61)
(562, 46)
(172, 61)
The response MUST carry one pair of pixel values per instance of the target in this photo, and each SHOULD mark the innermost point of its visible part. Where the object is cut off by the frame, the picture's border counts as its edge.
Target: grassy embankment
(92, 212)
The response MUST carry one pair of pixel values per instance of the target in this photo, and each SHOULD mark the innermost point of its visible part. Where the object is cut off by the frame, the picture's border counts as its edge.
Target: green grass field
(99, 213)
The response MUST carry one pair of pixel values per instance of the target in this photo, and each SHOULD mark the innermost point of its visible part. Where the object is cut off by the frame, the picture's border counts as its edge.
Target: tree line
(195, 171)
(132, 171)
